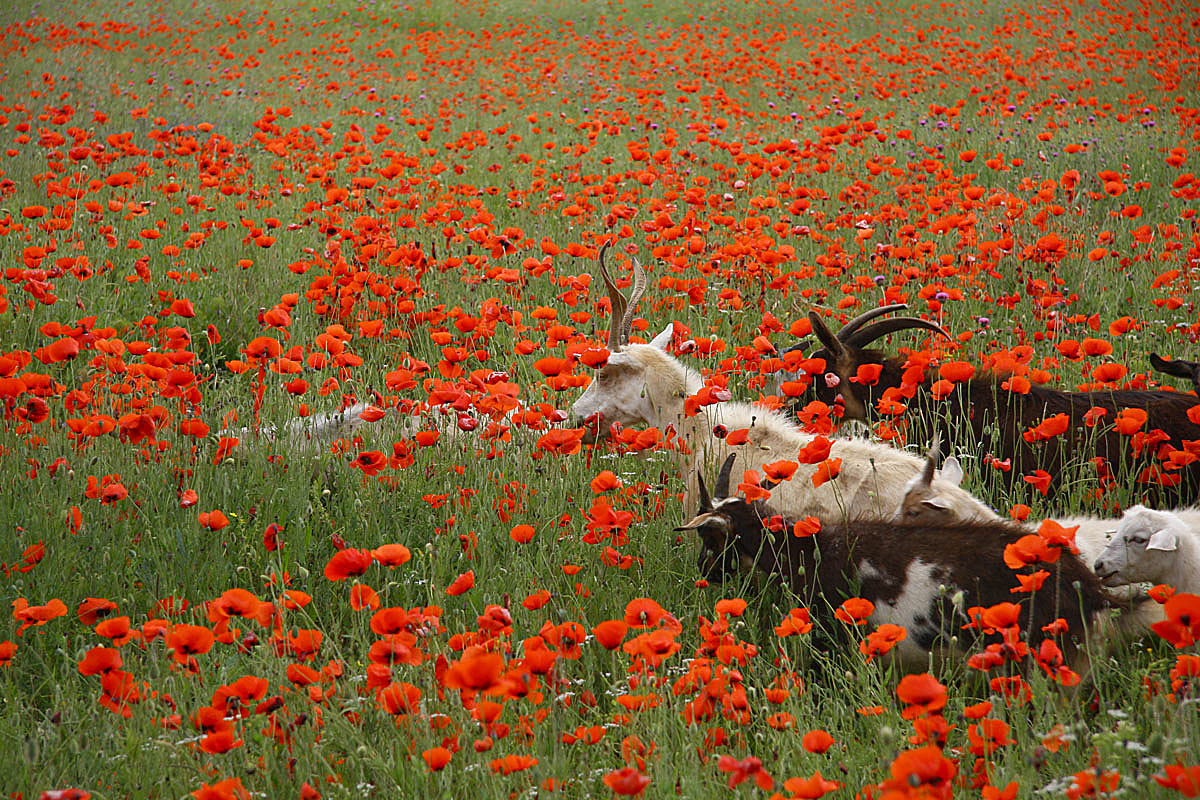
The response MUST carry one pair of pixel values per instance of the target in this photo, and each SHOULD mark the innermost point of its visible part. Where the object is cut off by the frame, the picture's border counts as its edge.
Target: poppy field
(221, 224)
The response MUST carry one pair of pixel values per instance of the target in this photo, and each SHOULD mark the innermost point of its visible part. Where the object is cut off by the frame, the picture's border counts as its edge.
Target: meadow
(216, 220)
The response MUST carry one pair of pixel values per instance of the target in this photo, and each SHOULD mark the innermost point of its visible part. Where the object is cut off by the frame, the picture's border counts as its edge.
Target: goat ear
(952, 471)
(664, 339)
(701, 520)
(937, 501)
(1163, 540)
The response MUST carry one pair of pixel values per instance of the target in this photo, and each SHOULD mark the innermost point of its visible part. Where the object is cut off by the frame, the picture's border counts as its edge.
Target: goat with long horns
(985, 414)
(643, 385)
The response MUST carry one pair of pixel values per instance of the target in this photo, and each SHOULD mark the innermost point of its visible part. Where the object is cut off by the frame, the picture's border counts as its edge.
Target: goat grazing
(641, 384)
(983, 411)
(927, 584)
(1154, 547)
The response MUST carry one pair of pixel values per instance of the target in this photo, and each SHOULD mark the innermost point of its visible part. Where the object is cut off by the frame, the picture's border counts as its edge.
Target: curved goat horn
(831, 343)
(931, 458)
(723, 477)
(618, 304)
(705, 501)
(882, 328)
(639, 289)
(862, 319)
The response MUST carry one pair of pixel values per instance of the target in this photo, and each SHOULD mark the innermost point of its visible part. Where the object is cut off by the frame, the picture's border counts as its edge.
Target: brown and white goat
(981, 412)
(922, 577)
(643, 385)
(1094, 536)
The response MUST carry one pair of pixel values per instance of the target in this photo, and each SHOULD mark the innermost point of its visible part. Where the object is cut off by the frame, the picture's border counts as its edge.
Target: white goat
(1154, 547)
(642, 385)
(317, 430)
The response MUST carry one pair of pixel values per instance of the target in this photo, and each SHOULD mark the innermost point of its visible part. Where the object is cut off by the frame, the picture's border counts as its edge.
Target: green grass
(549, 77)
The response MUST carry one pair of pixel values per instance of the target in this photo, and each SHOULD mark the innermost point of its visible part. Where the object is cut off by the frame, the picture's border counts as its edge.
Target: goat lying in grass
(1154, 547)
(642, 385)
(923, 504)
(1006, 416)
(930, 579)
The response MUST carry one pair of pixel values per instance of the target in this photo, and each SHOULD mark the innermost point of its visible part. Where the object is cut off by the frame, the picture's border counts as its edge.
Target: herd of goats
(884, 495)
(952, 555)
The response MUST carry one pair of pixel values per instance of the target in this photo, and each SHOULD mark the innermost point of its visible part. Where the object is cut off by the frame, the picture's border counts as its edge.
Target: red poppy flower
(213, 520)
(796, 622)
(392, 555)
(521, 534)
(855, 611)
(827, 470)
(363, 596)
(817, 741)
(1182, 624)
(461, 584)
(188, 640)
(922, 693)
(926, 769)
(437, 758)
(810, 788)
(1185, 780)
(610, 633)
(815, 451)
(643, 613)
(744, 769)
(347, 563)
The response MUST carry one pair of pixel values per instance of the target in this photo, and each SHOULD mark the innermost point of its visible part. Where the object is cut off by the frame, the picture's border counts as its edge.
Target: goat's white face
(1142, 549)
(625, 390)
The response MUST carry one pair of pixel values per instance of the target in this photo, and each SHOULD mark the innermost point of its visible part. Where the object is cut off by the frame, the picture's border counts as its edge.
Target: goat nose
(591, 426)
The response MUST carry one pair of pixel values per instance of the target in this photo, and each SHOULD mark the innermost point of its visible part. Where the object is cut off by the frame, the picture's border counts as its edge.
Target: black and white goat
(923, 577)
(643, 385)
(989, 416)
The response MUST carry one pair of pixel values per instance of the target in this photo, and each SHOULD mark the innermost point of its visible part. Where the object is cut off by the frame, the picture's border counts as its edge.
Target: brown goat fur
(913, 574)
(983, 415)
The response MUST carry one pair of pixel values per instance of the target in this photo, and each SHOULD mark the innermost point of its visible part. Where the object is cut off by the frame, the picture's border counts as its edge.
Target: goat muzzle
(593, 427)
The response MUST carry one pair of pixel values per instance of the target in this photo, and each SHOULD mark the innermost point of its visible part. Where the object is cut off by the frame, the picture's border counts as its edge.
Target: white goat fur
(1154, 547)
(316, 430)
(643, 385)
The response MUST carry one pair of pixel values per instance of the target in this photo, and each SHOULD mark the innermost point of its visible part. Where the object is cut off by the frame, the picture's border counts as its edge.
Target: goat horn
(877, 330)
(832, 343)
(618, 304)
(705, 501)
(931, 459)
(862, 319)
(635, 294)
(723, 477)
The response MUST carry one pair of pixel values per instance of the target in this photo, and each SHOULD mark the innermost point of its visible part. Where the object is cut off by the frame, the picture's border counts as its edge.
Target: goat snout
(1106, 573)
(593, 426)
(709, 567)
